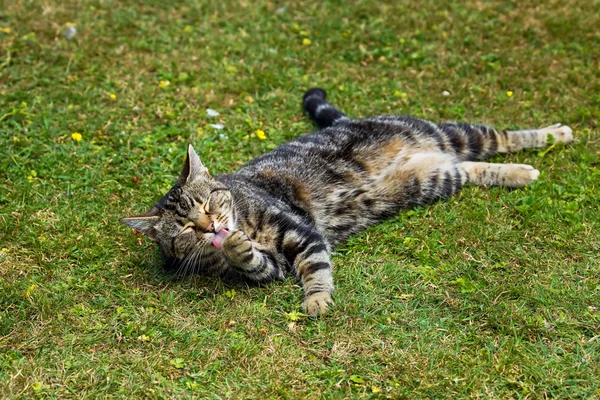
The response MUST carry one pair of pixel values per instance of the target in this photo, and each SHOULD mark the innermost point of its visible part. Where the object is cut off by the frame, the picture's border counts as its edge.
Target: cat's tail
(323, 113)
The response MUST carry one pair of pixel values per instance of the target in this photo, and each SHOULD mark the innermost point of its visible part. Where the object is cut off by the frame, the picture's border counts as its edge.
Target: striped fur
(285, 211)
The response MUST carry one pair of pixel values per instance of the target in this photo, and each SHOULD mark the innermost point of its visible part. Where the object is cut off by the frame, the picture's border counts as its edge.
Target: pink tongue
(218, 239)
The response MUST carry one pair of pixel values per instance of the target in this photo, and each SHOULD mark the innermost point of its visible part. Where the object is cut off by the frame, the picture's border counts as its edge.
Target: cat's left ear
(144, 223)
(193, 167)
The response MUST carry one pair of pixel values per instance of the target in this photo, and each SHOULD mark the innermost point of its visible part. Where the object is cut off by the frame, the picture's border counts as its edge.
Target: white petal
(217, 126)
(212, 113)
(70, 32)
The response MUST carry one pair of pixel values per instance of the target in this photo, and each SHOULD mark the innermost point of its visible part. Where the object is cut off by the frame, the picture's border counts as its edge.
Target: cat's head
(186, 220)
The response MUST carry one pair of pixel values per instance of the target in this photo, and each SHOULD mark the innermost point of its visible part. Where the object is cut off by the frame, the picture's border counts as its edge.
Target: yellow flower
(164, 84)
(306, 42)
(5, 30)
(76, 136)
(249, 100)
(112, 96)
(261, 134)
(29, 290)
(143, 338)
(509, 93)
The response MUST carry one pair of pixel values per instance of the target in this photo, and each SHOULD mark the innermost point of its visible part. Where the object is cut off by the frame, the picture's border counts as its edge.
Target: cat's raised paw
(318, 303)
(237, 247)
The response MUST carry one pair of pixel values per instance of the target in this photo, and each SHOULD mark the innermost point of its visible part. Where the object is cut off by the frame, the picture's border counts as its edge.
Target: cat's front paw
(318, 303)
(237, 247)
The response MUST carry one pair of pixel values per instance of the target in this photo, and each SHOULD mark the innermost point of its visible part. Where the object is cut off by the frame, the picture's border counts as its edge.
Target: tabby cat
(284, 212)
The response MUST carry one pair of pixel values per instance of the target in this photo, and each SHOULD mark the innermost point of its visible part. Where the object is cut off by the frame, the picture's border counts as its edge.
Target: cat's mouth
(219, 237)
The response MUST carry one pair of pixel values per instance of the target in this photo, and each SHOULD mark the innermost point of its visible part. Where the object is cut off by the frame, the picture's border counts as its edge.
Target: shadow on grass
(154, 271)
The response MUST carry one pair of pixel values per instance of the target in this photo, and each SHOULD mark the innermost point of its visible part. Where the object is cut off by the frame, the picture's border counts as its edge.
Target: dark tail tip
(314, 92)
(319, 110)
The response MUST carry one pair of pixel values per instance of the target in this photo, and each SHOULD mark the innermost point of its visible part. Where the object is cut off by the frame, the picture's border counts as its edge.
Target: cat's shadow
(154, 272)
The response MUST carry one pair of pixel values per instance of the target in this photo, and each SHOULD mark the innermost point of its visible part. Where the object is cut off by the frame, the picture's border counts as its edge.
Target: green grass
(493, 294)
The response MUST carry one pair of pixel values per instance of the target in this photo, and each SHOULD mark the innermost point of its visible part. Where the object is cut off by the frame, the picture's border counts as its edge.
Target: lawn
(492, 294)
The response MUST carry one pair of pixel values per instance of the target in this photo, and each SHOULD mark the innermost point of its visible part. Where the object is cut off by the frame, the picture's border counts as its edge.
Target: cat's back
(349, 147)
(330, 175)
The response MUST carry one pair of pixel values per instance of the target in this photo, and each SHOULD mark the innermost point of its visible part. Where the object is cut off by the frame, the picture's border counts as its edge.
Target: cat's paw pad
(318, 303)
(237, 246)
(561, 133)
(520, 175)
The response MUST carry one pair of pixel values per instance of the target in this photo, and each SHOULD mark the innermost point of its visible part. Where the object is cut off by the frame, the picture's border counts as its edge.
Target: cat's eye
(189, 227)
(213, 199)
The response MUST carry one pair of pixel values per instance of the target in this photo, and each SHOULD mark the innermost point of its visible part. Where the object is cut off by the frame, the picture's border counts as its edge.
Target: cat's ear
(193, 167)
(144, 223)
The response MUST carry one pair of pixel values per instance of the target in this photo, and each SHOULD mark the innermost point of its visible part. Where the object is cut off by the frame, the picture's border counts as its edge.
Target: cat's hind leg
(478, 142)
(507, 175)
(420, 178)
(510, 141)
(514, 175)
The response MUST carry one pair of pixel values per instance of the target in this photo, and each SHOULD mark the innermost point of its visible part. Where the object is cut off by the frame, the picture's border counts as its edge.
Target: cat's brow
(219, 189)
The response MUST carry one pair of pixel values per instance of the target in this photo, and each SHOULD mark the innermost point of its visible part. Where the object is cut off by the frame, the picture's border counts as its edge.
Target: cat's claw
(318, 303)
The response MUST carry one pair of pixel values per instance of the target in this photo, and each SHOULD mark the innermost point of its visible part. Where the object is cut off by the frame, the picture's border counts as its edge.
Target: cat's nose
(216, 226)
(210, 228)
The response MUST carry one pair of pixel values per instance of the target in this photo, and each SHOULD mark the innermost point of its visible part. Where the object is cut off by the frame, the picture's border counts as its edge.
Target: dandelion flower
(261, 134)
(5, 30)
(76, 136)
(509, 93)
(32, 176)
(306, 42)
(164, 84)
(112, 96)
(29, 290)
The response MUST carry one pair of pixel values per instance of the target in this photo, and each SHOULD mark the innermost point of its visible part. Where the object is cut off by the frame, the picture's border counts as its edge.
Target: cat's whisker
(187, 259)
